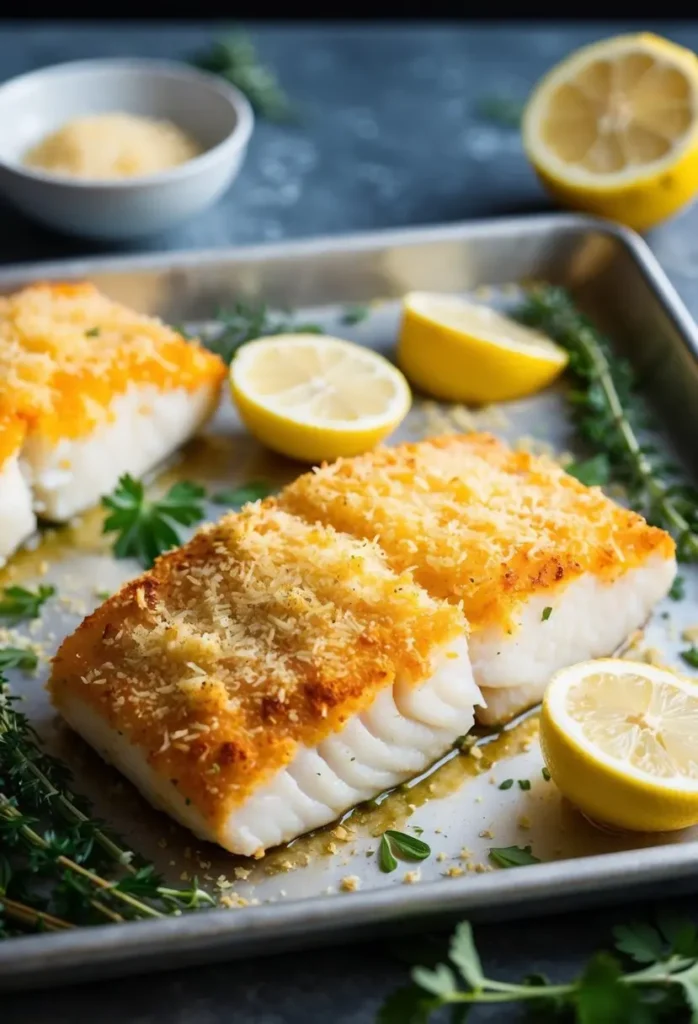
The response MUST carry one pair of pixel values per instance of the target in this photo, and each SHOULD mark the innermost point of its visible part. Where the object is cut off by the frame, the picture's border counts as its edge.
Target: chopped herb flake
(512, 856)
(507, 784)
(690, 656)
(524, 783)
(678, 589)
(547, 612)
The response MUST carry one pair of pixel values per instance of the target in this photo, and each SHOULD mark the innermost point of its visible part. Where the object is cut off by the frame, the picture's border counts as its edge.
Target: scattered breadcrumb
(350, 883)
(411, 877)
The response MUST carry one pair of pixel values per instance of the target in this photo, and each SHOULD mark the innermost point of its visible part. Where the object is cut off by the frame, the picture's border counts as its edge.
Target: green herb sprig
(18, 657)
(245, 321)
(663, 987)
(18, 604)
(147, 528)
(235, 58)
(612, 417)
(59, 866)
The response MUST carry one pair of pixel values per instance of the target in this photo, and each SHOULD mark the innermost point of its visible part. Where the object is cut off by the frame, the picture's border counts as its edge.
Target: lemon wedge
(315, 398)
(620, 740)
(463, 352)
(613, 129)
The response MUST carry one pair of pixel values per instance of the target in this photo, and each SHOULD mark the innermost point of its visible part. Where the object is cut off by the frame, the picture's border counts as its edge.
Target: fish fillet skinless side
(266, 677)
(547, 571)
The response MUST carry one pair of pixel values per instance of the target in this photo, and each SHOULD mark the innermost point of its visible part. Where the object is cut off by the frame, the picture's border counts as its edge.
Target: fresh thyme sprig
(59, 865)
(665, 984)
(235, 58)
(612, 417)
(147, 528)
(245, 321)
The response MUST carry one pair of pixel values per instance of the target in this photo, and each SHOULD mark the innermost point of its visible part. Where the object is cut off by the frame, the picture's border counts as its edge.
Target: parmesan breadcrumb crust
(261, 634)
(479, 524)
(66, 351)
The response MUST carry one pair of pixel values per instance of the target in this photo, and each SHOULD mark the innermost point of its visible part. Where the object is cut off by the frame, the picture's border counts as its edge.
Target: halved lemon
(316, 398)
(464, 352)
(620, 740)
(613, 129)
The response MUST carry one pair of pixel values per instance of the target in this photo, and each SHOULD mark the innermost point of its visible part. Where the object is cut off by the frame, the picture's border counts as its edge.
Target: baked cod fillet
(547, 571)
(17, 520)
(266, 677)
(101, 389)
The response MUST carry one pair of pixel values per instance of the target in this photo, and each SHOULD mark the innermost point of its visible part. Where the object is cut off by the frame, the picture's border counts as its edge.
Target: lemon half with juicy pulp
(461, 351)
(613, 129)
(316, 398)
(620, 740)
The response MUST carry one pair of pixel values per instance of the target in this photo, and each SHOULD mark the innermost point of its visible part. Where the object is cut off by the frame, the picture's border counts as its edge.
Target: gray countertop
(389, 135)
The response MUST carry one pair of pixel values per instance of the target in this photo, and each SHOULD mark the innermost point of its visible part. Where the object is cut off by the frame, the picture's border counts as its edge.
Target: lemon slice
(613, 129)
(620, 740)
(463, 352)
(313, 397)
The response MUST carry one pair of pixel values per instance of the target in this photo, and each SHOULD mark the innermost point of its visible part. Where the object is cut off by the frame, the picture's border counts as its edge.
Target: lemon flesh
(613, 129)
(464, 352)
(315, 398)
(621, 742)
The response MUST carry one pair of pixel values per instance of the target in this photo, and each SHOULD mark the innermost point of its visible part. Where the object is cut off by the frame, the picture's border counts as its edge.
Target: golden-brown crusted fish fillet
(547, 571)
(267, 676)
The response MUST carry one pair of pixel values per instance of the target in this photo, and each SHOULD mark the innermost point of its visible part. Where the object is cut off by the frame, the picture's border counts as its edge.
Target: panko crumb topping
(66, 351)
(262, 633)
(477, 522)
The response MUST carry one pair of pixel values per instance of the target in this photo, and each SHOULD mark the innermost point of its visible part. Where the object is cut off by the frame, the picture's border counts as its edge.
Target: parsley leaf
(547, 612)
(545, 773)
(507, 784)
(18, 657)
(602, 996)
(464, 955)
(512, 856)
(18, 603)
(236, 496)
(640, 941)
(594, 472)
(94, 332)
(408, 1005)
(147, 528)
(524, 784)
(678, 589)
(690, 656)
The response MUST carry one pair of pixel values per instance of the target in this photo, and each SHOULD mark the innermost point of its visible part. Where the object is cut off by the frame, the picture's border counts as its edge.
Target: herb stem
(10, 812)
(655, 488)
(37, 918)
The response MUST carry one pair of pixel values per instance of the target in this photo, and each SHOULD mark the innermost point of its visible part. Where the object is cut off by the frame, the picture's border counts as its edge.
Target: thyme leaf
(59, 865)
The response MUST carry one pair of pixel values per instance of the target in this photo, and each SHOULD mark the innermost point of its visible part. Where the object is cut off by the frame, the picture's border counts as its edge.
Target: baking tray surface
(329, 886)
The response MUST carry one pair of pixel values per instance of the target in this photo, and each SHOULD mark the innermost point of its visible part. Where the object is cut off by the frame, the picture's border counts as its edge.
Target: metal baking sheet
(328, 886)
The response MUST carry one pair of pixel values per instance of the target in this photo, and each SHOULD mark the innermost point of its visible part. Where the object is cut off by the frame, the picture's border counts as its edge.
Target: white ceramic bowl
(202, 105)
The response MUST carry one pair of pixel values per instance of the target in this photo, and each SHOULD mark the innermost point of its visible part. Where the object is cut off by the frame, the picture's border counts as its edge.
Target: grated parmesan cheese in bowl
(114, 145)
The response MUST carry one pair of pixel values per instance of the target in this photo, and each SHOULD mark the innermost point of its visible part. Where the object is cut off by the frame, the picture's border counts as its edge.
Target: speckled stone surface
(389, 136)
